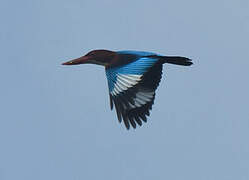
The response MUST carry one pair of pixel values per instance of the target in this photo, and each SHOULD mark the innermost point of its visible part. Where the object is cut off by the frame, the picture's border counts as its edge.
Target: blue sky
(56, 121)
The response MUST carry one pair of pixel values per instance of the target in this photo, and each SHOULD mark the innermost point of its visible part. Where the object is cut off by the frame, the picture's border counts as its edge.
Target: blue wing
(138, 53)
(132, 88)
(131, 72)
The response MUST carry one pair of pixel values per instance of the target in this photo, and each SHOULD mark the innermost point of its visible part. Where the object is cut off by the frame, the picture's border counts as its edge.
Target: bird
(132, 77)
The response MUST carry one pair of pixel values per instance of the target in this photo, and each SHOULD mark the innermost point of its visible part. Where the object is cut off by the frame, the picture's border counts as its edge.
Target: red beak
(81, 60)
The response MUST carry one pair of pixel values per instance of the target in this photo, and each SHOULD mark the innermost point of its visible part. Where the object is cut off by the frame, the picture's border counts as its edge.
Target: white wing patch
(125, 81)
(142, 97)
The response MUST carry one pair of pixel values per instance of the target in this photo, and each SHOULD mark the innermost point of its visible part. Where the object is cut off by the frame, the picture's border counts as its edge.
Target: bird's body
(133, 77)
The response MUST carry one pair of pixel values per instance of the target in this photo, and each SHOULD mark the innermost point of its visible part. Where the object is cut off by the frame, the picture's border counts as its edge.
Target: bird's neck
(105, 58)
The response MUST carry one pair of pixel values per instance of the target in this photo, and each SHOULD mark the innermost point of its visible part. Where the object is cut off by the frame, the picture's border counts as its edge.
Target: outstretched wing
(132, 89)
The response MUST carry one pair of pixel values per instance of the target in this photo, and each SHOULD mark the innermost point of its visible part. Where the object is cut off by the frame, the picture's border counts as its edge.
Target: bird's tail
(177, 60)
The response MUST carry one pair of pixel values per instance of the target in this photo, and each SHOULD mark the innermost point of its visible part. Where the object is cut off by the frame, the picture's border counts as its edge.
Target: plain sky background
(56, 123)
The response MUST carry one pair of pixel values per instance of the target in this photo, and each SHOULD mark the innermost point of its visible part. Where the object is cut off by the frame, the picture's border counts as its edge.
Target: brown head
(100, 57)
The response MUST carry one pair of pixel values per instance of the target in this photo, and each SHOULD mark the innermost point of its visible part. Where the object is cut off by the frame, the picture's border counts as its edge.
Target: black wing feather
(125, 103)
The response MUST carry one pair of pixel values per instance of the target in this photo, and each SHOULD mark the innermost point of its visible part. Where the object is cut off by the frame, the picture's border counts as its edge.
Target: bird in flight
(133, 77)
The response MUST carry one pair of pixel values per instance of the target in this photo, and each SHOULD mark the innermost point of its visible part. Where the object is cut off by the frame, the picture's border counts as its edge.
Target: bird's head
(100, 57)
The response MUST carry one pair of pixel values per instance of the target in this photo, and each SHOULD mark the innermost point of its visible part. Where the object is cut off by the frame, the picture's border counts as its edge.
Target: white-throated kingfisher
(133, 77)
